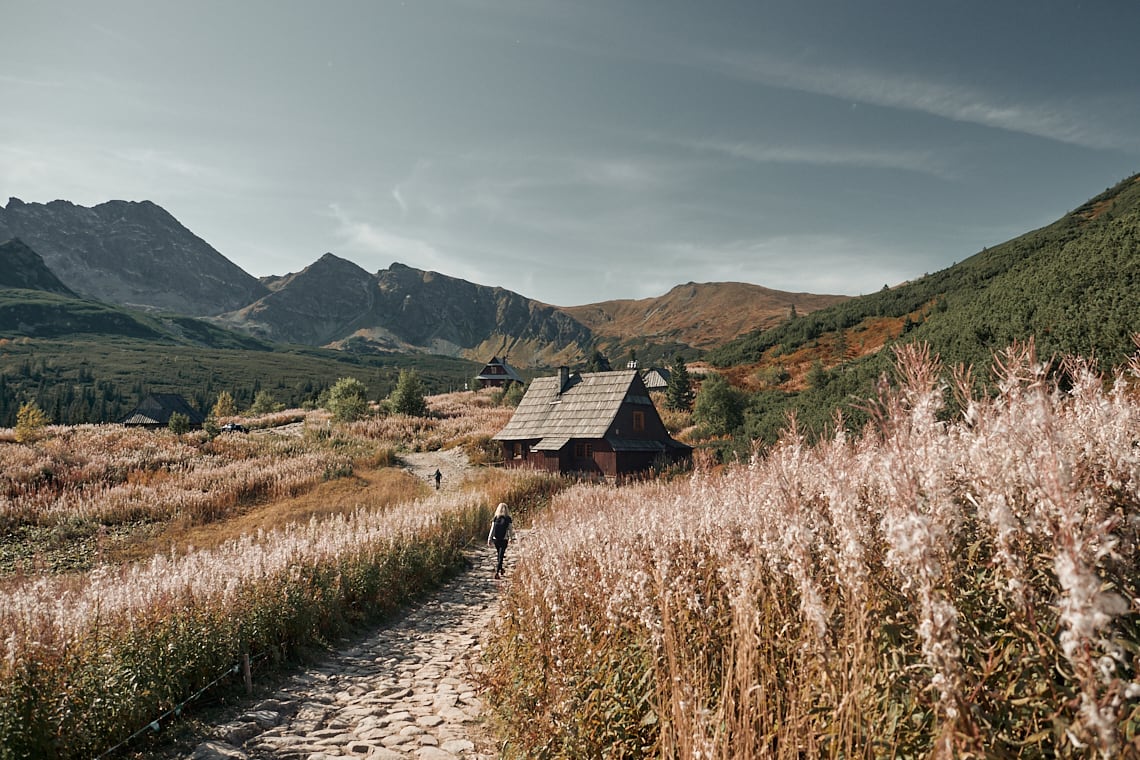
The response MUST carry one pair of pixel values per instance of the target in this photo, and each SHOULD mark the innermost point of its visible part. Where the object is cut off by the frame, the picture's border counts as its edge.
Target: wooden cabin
(498, 374)
(154, 411)
(599, 423)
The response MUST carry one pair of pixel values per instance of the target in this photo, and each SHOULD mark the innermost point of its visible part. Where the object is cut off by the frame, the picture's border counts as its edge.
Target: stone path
(406, 691)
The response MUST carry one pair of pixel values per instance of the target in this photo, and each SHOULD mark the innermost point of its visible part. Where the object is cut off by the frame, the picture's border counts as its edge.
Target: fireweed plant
(945, 584)
(86, 659)
(89, 658)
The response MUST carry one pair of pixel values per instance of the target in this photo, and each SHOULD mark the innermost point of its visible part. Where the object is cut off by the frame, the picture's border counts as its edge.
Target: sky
(584, 150)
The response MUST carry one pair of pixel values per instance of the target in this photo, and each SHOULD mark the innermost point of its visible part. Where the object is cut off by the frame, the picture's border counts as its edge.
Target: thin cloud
(922, 162)
(1063, 122)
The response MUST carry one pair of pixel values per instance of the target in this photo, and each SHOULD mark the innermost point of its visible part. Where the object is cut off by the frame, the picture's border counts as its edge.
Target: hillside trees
(265, 403)
(598, 362)
(718, 408)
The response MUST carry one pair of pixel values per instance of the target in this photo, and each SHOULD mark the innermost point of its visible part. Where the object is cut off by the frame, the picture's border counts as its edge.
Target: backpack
(499, 527)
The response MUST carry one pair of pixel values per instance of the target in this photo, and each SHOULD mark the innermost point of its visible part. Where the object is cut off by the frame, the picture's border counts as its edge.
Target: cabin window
(518, 451)
(639, 422)
(583, 450)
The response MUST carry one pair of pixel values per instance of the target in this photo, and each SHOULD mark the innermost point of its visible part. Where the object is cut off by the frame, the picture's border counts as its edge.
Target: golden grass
(370, 489)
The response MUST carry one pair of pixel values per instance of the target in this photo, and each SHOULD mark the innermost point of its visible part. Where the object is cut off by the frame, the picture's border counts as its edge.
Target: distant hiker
(438, 477)
(501, 534)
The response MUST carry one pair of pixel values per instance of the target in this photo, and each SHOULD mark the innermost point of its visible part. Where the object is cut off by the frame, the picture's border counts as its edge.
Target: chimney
(563, 379)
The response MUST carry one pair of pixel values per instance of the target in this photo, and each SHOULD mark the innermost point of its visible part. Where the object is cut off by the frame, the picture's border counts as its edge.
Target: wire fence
(243, 666)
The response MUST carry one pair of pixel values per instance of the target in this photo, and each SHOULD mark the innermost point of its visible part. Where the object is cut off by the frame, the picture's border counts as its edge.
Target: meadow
(960, 579)
(89, 657)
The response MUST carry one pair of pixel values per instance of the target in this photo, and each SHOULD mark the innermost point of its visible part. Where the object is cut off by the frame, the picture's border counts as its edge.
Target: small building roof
(156, 409)
(508, 371)
(656, 378)
(584, 408)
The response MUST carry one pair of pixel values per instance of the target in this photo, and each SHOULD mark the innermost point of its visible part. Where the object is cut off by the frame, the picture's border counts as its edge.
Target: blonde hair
(502, 510)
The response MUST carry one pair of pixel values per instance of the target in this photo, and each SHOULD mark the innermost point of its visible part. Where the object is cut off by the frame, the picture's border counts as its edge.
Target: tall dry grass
(933, 587)
(88, 658)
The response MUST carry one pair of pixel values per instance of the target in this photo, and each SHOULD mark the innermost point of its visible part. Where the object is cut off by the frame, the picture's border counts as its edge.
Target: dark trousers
(501, 551)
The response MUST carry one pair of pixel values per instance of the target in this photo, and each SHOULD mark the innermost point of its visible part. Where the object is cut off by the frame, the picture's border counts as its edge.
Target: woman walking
(501, 534)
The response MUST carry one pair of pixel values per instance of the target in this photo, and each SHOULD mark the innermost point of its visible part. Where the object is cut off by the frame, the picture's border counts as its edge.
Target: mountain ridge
(136, 254)
(130, 253)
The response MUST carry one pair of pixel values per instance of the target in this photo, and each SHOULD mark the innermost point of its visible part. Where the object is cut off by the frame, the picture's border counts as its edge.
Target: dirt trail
(451, 463)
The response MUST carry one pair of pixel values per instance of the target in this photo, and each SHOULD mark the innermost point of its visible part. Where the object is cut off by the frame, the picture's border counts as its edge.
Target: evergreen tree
(224, 406)
(264, 403)
(30, 422)
(514, 394)
(408, 398)
(679, 392)
(598, 362)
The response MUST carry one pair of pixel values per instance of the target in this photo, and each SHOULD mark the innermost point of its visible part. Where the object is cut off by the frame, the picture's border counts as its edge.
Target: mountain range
(138, 256)
(66, 341)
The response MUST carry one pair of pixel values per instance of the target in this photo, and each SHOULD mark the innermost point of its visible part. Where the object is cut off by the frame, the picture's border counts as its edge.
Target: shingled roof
(584, 408)
(155, 411)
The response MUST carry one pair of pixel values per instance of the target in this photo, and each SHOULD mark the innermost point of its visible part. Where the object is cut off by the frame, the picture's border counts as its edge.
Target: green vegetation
(719, 408)
(30, 420)
(100, 378)
(679, 392)
(408, 398)
(179, 423)
(1071, 286)
(348, 400)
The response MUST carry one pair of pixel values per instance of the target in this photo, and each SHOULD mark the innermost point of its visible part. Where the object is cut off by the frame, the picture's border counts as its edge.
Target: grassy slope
(702, 315)
(1070, 285)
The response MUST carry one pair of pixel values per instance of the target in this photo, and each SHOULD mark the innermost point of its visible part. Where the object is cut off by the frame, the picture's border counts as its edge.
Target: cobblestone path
(405, 691)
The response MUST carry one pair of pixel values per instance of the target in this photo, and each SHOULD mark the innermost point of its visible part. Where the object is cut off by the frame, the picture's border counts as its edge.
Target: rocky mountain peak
(21, 267)
(130, 253)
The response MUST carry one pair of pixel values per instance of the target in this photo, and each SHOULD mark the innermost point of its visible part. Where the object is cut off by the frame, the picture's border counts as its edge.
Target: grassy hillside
(86, 361)
(701, 315)
(99, 378)
(1071, 286)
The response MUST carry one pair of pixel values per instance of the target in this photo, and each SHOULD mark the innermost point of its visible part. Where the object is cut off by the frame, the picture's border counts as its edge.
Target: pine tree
(408, 398)
(224, 406)
(30, 421)
(679, 392)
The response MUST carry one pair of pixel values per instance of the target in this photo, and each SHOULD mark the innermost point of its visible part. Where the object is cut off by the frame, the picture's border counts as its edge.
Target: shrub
(347, 400)
(179, 423)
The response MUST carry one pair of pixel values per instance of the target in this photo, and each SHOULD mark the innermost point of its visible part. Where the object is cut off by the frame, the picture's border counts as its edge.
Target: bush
(179, 423)
(347, 400)
(718, 408)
